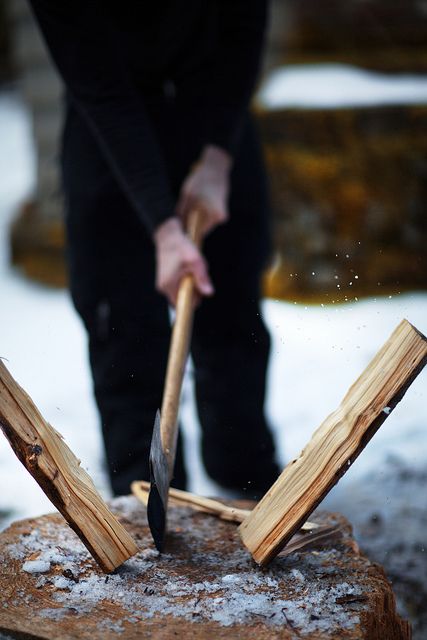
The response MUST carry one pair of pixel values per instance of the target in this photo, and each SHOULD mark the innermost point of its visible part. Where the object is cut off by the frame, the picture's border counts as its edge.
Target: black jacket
(113, 54)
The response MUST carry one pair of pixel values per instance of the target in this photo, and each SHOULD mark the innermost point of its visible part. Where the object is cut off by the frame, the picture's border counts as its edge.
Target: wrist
(168, 229)
(217, 158)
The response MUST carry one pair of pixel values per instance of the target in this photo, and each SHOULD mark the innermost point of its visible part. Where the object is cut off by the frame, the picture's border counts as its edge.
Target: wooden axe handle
(178, 351)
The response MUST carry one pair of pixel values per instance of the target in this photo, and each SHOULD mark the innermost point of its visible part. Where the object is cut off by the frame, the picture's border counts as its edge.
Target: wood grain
(335, 445)
(185, 593)
(311, 535)
(180, 498)
(56, 469)
(178, 350)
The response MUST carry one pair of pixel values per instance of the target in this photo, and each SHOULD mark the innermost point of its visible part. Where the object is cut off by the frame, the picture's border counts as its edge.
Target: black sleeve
(241, 31)
(84, 49)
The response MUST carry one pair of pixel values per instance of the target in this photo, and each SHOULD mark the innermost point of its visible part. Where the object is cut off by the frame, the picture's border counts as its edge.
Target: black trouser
(112, 273)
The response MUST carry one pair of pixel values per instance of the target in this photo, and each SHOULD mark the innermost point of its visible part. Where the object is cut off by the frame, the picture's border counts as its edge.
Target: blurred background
(342, 111)
(343, 116)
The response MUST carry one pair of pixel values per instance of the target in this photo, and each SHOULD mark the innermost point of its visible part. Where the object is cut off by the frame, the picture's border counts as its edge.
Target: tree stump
(204, 586)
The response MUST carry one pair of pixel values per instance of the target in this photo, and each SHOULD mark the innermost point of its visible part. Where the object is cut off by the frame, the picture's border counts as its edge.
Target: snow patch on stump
(149, 585)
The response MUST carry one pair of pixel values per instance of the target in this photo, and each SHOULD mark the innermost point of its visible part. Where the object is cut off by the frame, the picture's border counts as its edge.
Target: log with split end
(53, 465)
(335, 445)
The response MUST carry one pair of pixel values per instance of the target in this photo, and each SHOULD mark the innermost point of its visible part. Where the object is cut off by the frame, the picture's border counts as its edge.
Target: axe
(165, 432)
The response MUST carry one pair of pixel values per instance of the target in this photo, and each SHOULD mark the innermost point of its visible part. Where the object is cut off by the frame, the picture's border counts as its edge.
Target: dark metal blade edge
(159, 488)
(156, 515)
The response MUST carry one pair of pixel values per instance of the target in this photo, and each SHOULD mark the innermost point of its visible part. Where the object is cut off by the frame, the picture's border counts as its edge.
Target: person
(157, 123)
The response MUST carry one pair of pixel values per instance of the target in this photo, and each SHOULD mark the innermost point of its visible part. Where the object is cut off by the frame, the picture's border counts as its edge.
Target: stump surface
(205, 586)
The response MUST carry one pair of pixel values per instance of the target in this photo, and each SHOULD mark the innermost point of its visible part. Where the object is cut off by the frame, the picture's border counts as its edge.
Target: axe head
(160, 475)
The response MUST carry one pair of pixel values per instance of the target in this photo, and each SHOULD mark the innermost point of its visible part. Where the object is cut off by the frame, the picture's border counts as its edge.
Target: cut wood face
(335, 445)
(56, 469)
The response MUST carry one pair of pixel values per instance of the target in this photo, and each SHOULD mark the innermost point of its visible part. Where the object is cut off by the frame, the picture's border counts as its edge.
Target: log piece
(141, 488)
(335, 445)
(53, 465)
(205, 587)
(311, 534)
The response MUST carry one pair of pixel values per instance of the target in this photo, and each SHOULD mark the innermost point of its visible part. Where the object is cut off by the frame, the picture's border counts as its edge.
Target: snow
(317, 353)
(320, 86)
(36, 566)
(290, 590)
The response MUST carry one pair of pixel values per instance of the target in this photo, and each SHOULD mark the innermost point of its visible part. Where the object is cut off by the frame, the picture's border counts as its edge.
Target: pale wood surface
(334, 594)
(53, 465)
(178, 351)
(335, 445)
(311, 535)
(141, 488)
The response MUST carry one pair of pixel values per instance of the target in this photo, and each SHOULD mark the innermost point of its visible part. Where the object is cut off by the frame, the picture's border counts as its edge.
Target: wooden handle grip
(195, 227)
(178, 350)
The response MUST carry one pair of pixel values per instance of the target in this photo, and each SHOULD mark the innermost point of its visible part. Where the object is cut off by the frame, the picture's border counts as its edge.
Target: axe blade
(160, 475)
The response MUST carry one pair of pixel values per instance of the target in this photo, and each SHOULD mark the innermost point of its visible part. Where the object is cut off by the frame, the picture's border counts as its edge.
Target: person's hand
(207, 188)
(177, 256)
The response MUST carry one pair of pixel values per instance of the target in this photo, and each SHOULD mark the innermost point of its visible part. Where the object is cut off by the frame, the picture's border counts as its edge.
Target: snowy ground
(318, 351)
(320, 86)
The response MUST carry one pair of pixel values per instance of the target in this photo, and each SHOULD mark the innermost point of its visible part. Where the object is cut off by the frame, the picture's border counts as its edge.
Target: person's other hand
(207, 188)
(177, 256)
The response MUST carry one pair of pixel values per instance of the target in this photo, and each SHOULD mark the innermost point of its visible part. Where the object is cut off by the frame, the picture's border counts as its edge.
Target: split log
(141, 488)
(207, 587)
(53, 465)
(335, 445)
(311, 535)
